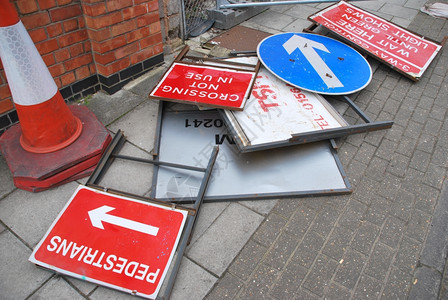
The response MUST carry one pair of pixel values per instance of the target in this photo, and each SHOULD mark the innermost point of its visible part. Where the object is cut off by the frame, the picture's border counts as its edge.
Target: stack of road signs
(280, 108)
(261, 108)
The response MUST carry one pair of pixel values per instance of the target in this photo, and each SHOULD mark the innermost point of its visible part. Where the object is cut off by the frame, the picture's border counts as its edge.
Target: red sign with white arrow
(114, 241)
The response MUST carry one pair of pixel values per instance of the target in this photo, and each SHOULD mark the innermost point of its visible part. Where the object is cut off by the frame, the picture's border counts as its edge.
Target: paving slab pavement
(385, 240)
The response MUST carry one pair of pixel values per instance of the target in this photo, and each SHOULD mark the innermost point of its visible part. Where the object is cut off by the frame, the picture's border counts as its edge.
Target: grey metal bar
(340, 132)
(190, 224)
(269, 196)
(255, 4)
(184, 21)
(204, 184)
(357, 109)
(160, 163)
(182, 53)
(191, 211)
(155, 150)
(334, 145)
(207, 175)
(242, 53)
(104, 163)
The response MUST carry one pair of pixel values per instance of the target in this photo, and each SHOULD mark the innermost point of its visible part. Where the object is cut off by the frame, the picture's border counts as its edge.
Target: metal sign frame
(206, 81)
(391, 44)
(112, 153)
(244, 144)
(265, 162)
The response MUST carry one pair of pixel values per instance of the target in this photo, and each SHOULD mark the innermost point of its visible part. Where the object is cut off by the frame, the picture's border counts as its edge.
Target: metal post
(255, 4)
(184, 21)
(190, 224)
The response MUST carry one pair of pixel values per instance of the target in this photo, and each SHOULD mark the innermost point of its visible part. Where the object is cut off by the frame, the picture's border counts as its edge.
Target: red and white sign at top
(411, 54)
(205, 85)
(114, 241)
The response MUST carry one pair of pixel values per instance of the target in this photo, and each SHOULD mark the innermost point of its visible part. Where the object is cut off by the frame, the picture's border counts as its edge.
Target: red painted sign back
(114, 241)
(405, 51)
(205, 85)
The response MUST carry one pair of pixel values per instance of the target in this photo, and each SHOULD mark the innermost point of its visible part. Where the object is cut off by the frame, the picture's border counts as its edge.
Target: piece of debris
(438, 10)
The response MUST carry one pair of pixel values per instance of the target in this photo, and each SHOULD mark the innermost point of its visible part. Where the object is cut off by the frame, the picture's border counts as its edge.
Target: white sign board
(275, 111)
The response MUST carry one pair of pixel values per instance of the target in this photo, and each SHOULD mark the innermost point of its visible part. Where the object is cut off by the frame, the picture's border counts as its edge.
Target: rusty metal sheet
(401, 49)
(240, 38)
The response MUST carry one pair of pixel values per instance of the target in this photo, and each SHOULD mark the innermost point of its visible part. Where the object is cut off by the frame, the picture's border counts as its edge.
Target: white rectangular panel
(188, 137)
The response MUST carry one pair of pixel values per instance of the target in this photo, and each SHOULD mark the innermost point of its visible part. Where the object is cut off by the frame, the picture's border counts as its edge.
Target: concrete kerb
(427, 282)
(128, 98)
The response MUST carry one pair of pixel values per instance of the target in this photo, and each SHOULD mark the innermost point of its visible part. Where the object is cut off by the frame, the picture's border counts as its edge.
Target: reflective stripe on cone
(47, 123)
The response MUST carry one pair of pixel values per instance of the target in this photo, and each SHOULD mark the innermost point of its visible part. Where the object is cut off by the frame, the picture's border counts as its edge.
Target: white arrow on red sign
(100, 215)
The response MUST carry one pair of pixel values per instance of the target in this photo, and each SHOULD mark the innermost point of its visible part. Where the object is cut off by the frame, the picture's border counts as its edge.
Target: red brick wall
(81, 38)
(122, 32)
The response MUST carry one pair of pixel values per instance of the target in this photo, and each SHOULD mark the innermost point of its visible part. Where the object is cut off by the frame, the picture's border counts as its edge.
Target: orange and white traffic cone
(54, 143)
(47, 123)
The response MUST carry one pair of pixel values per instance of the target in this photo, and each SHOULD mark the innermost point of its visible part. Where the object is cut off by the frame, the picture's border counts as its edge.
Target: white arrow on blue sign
(315, 63)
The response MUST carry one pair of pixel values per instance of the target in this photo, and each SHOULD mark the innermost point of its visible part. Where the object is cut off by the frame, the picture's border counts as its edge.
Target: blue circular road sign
(315, 63)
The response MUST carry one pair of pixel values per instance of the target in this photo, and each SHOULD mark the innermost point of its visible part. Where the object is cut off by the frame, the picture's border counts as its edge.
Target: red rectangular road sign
(405, 51)
(205, 85)
(111, 240)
